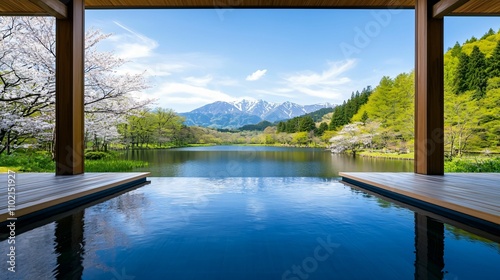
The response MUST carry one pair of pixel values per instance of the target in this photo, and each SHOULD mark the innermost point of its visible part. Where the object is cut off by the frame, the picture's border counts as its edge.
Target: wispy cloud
(199, 81)
(323, 85)
(277, 92)
(133, 44)
(331, 76)
(188, 95)
(256, 75)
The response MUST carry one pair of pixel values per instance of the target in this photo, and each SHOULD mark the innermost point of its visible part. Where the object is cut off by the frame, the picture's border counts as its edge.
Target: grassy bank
(408, 156)
(464, 164)
(40, 161)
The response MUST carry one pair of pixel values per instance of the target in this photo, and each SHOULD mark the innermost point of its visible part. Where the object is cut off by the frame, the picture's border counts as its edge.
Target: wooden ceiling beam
(53, 7)
(446, 7)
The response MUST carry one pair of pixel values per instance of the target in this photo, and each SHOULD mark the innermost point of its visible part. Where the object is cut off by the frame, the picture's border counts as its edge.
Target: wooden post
(429, 90)
(69, 90)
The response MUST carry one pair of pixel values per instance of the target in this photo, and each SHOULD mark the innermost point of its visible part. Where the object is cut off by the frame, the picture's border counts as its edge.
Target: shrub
(473, 165)
(96, 155)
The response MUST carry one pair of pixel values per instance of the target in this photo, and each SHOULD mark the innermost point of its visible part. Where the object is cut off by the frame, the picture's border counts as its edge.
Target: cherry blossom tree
(27, 83)
(352, 138)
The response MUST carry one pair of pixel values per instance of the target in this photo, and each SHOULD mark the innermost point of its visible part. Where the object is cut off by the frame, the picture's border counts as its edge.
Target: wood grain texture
(446, 7)
(38, 191)
(53, 7)
(473, 7)
(70, 32)
(473, 194)
(429, 90)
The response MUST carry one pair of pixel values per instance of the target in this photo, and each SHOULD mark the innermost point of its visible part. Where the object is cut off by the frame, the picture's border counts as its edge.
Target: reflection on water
(243, 161)
(429, 248)
(251, 228)
(69, 246)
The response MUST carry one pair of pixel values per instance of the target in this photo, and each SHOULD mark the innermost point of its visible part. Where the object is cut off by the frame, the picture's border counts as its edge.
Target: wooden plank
(228, 4)
(53, 7)
(429, 91)
(446, 7)
(478, 8)
(50, 190)
(451, 191)
(472, 7)
(69, 146)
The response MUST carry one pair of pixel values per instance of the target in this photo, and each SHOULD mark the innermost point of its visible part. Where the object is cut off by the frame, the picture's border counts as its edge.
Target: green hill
(472, 101)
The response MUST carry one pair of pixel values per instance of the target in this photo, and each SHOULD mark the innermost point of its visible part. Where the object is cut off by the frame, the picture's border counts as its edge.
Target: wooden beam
(429, 90)
(53, 7)
(446, 7)
(69, 90)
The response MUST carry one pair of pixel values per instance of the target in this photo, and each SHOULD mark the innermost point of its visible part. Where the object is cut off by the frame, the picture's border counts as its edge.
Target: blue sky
(198, 56)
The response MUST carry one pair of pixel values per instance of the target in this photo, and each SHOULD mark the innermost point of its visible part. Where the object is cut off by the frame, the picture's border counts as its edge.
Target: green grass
(113, 165)
(30, 161)
(40, 161)
(386, 155)
(474, 165)
(7, 169)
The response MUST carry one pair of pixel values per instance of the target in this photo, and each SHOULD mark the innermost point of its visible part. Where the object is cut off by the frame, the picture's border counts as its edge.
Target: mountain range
(235, 114)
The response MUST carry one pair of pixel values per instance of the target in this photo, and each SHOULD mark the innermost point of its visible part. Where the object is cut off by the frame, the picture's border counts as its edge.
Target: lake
(242, 213)
(257, 161)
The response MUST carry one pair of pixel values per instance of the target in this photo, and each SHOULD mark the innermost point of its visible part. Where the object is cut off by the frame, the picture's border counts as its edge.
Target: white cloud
(326, 85)
(256, 75)
(133, 44)
(187, 96)
(277, 92)
(199, 81)
(327, 77)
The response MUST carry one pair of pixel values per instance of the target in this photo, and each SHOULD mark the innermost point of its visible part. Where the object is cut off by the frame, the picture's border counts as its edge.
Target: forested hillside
(472, 103)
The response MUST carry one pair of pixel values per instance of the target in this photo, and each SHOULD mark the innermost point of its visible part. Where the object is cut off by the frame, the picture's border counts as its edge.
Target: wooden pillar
(69, 90)
(429, 90)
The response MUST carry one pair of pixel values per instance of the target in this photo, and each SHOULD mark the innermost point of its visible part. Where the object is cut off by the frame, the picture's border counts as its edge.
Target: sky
(194, 57)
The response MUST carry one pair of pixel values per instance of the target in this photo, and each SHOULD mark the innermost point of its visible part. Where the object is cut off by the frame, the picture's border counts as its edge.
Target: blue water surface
(245, 228)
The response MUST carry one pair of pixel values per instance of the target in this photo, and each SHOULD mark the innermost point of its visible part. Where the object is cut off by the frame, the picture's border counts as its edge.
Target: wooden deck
(39, 194)
(474, 197)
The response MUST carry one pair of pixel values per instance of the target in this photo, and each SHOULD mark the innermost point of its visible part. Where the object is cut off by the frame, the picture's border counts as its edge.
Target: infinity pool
(250, 228)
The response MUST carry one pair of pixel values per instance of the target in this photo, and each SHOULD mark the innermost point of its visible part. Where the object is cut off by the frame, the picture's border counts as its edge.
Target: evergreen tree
(477, 78)
(456, 50)
(462, 72)
(338, 117)
(471, 40)
(364, 117)
(488, 34)
(343, 114)
(306, 124)
(322, 128)
(280, 127)
(494, 62)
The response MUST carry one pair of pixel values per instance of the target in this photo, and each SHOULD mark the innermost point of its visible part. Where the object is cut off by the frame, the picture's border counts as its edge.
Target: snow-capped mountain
(235, 114)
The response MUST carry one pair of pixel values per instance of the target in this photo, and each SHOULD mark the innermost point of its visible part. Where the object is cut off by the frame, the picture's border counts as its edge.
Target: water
(236, 226)
(244, 161)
